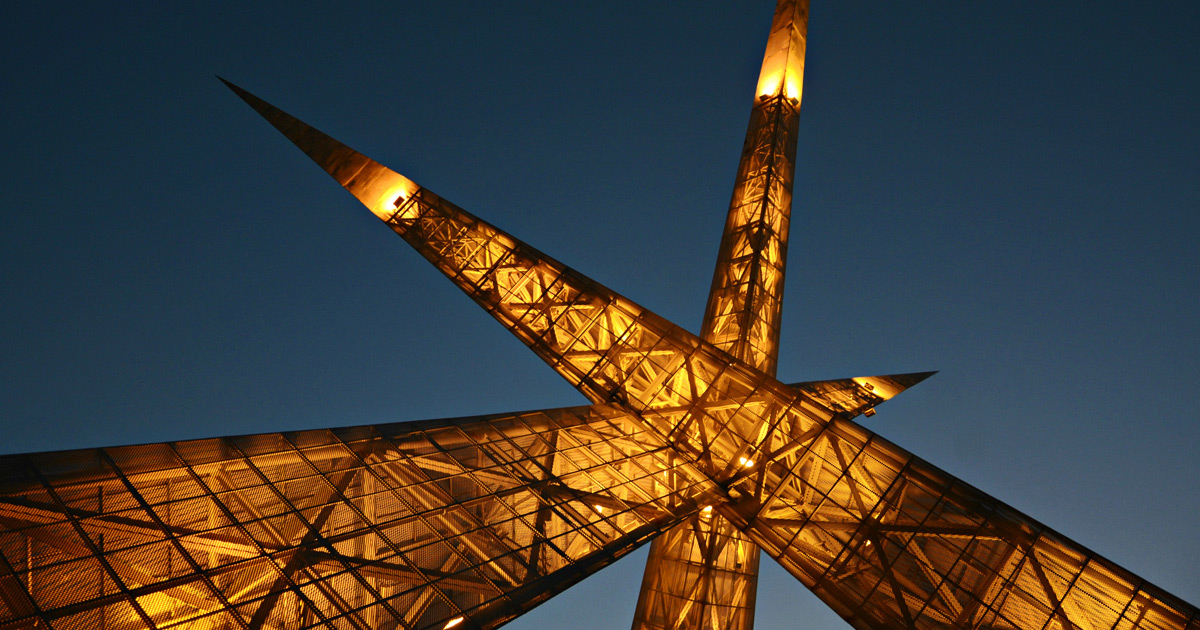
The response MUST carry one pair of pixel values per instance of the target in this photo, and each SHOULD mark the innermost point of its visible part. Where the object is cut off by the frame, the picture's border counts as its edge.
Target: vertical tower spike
(746, 296)
(704, 573)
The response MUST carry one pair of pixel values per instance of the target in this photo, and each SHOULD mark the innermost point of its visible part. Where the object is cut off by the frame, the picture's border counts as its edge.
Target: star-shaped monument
(689, 441)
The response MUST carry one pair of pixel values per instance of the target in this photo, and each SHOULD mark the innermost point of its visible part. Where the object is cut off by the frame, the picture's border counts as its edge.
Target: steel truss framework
(469, 522)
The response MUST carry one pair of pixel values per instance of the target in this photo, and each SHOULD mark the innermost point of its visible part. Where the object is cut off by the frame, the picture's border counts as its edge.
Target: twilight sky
(1008, 193)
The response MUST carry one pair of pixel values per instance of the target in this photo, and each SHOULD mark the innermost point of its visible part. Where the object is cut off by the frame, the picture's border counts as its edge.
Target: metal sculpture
(470, 522)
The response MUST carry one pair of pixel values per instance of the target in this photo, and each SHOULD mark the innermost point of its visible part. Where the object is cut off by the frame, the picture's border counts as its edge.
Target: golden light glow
(453, 622)
(793, 86)
(878, 386)
(745, 462)
(771, 84)
(783, 62)
(393, 197)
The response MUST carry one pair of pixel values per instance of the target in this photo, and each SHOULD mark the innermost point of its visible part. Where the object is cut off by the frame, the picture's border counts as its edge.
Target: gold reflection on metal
(470, 522)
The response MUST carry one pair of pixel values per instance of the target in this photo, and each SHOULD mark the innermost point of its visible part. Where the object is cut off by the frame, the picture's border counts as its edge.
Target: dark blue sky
(1008, 193)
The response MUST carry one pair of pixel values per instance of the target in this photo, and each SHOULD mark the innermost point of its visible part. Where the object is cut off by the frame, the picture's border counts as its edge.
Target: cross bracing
(469, 522)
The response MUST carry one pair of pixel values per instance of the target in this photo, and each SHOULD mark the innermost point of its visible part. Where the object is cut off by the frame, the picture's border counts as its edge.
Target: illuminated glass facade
(466, 523)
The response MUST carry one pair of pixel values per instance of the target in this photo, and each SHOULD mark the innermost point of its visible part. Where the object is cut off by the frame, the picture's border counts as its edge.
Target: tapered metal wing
(464, 522)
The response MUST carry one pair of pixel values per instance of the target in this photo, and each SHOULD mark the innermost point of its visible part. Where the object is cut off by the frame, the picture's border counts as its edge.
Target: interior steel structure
(689, 441)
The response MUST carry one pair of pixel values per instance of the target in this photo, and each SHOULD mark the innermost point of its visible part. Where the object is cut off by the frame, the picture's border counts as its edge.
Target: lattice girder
(888, 540)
